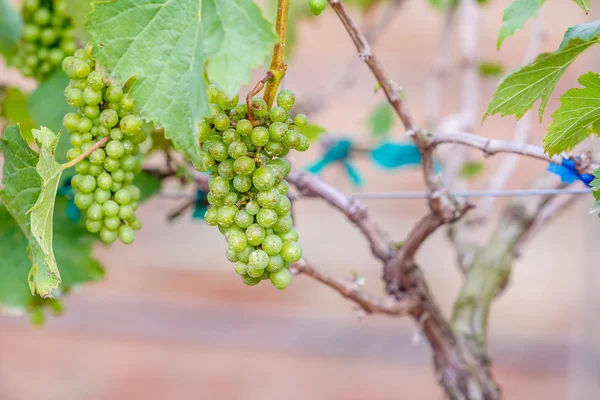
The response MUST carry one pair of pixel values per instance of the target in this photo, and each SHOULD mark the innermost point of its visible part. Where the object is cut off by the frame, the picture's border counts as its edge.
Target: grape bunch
(247, 187)
(48, 37)
(103, 183)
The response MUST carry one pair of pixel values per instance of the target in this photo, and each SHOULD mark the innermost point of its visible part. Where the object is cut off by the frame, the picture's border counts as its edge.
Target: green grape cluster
(48, 37)
(317, 6)
(247, 187)
(103, 183)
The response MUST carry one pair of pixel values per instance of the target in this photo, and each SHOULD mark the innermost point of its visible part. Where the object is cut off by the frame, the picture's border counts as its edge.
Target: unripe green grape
(116, 134)
(108, 236)
(213, 92)
(118, 176)
(42, 16)
(248, 143)
(218, 151)
(278, 114)
(244, 165)
(204, 131)
(101, 196)
(95, 212)
(259, 107)
(126, 213)
(266, 217)
(95, 170)
(237, 241)
(219, 186)
(274, 149)
(237, 150)
(252, 207)
(272, 245)
(268, 198)
(92, 96)
(291, 251)
(242, 183)
(83, 201)
(73, 153)
(109, 118)
(111, 165)
(211, 216)
(42, 53)
(129, 147)
(303, 143)
(300, 120)
(291, 139)
(214, 200)
(113, 94)
(230, 136)
(75, 181)
(241, 268)
(283, 187)
(30, 32)
(136, 224)
(281, 279)
(240, 111)
(95, 81)
(116, 186)
(226, 103)
(31, 5)
(131, 125)
(226, 170)
(82, 167)
(127, 103)
(122, 196)
(104, 181)
(74, 67)
(258, 259)
(254, 272)
(286, 99)
(221, 122)
(243, 219)
(244, 127)
(86, 137)
(126, 234)
(110, 208)
(226, 215)
(255, 234)
(263, 178)
(259, 136)
(87, 184)
(47, 36)
(230, 199)
(283, 206)
(129, 163)
(55, 56)
(70, 121)
(115, 149)
(231, 255)
(277, 131)
(68, 47)
(283, 224)
(91, 111)
(75, 97)
(112, 223)
(94, 226)
(244, 255)
(87, 146)
(97, 157)
(135, 192)
(250, 281)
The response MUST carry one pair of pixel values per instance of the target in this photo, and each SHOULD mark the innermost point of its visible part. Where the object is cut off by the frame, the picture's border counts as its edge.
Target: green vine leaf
(516, 16)
(584, 4)
(14, 110)
(46, 279)
(519, 90)
(230, 37)
(10, 29)
(30, 182)
(77, 10)
(579, 109)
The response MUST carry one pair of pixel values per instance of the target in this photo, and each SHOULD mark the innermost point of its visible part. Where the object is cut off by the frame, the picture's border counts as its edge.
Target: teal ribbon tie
(339, 151)
(396, 155)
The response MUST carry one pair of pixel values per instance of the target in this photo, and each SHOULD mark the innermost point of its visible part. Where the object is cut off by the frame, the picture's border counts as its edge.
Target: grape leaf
(381, 120)
(312, 131)
(47, 106)
(148, 184)
(73, 244)
(30, 184)
(579, 108)
(519, 90)
(45, 279)
(516, 16)
(490, 69)
(584, 4)
(230, 36)
(10, 29)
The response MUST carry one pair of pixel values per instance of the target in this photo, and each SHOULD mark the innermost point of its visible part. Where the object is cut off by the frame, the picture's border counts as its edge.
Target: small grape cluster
(103, 183)
(247, 187)
(48, 37)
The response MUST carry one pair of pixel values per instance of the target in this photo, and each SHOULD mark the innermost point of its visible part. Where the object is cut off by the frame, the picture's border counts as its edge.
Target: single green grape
(108, 236)
(268, 198)
(242, 183)
(281, 279)
(226, 215)
(286, 98)
(241, 267)
(266, 218)
(263, 178)
(252, 207)
(126, 234)
(255, 234)
(259, 136)
(244, 255)
(244, 127)
(243, 219)
(231, 255)
(272, 245)
(211, 216)
(110, 208)
(250, 281)
(244, 165)
(291, 251)
(275, 263)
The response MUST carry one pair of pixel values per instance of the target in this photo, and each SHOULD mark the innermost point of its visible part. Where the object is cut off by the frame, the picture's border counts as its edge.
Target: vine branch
(278, 66)
(256, 90)
(86, 153)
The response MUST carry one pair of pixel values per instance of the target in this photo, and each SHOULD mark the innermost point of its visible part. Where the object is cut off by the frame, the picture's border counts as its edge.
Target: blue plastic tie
(338, 152)
(396, 155)
(568, 173)
(200, 206)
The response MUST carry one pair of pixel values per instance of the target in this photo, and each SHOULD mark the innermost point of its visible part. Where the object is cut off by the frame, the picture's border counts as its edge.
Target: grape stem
(256, 90)
(86, 153)
(278, 66)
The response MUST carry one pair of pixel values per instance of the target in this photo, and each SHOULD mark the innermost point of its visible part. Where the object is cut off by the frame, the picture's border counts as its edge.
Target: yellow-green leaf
(584, 4)
(516, 16)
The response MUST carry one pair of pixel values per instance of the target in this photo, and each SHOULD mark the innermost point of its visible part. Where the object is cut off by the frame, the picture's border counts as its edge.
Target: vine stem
(89, 151)
(256, 90)
(278, 66)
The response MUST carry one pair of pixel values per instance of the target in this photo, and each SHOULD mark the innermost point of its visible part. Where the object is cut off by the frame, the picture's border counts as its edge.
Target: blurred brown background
(173, 321)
